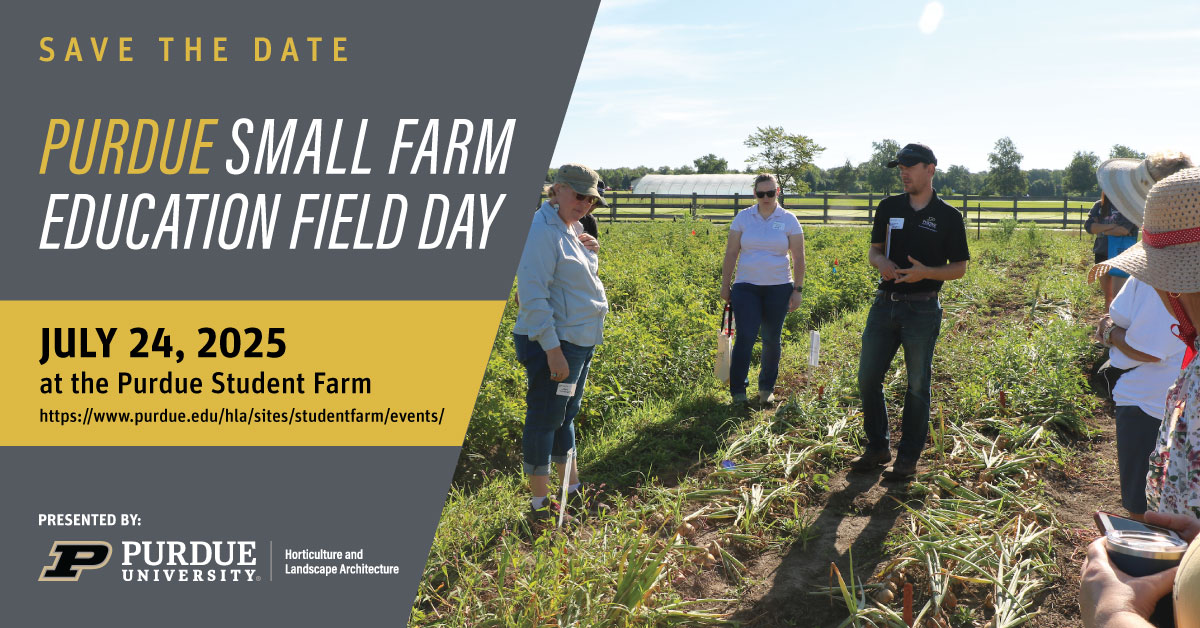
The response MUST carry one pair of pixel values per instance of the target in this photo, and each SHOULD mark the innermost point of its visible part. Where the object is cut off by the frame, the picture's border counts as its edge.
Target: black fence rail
(835, 208)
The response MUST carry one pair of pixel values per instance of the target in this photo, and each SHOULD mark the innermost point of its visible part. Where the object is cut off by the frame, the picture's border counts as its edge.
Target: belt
(909, 296)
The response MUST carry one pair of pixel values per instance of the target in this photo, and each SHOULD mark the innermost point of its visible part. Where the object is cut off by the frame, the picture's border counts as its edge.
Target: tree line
(790, 156)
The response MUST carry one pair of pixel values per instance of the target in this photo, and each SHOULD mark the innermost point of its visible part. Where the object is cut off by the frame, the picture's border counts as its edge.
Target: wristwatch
(799, 288)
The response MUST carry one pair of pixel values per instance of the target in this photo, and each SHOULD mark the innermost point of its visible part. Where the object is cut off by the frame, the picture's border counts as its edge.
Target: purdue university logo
(72, 557)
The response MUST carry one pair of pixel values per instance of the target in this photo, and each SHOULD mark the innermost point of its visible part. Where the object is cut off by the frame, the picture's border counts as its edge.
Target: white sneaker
(766, 396)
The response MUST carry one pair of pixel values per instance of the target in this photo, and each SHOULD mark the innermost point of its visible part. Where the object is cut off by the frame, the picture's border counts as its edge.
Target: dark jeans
(913, 325)
(757, 310)
(550, 406)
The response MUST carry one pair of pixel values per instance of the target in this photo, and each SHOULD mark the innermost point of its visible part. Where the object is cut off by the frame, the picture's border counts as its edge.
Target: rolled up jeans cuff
(559, 459)
(541, 469)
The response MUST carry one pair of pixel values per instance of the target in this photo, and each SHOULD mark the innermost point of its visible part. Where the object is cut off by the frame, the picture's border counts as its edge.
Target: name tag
(566, 390)
(777, 226)
(896, 223)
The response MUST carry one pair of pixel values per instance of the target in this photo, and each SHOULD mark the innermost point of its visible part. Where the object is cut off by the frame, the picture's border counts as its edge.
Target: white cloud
(608, 5)
(653, 109)
(931, 18)
(663, 53)
(876, 27)
(1170, 35)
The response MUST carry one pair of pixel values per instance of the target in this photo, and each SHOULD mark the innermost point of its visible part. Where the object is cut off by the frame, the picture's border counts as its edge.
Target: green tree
(978, 183)
(711, 164)
(874, 171)
(812, 176)
(954, 180)
(1121, 150)
(784, 155)
(685, 169)
(1052, 178)
(1005, 177)
(622, 178)
(845, 177)
(1041, 187)
(1080, 176)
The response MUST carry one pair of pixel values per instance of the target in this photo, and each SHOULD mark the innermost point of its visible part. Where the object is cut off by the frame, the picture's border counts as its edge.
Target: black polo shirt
(935, 236)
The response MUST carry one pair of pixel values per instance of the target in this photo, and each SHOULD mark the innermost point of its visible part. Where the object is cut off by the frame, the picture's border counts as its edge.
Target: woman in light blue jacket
(559, 324)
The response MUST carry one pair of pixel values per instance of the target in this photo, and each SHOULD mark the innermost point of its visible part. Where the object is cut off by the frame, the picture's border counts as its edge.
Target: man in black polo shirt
(917, 243)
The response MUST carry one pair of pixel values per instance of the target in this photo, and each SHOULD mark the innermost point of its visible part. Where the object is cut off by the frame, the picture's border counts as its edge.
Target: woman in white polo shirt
(767, 286)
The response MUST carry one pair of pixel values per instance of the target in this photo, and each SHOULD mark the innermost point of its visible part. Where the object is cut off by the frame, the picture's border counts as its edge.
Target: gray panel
(385, 501)
(444, 60)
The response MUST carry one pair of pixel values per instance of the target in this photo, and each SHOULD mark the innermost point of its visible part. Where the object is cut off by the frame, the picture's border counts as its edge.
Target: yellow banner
(243, 372)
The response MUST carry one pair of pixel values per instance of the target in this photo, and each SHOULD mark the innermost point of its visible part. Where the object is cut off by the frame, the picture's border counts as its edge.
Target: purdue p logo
(72, 557)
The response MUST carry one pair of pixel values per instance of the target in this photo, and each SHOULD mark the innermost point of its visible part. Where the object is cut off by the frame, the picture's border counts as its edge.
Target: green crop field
(692, 541)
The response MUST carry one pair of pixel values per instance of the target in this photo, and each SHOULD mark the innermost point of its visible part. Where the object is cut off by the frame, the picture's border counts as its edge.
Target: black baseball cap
(913, 154)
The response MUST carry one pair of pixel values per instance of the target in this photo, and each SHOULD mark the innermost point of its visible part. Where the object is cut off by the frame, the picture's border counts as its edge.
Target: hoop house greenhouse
(702, 184)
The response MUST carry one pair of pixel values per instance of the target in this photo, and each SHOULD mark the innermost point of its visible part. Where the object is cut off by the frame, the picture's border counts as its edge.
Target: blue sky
(666, 81)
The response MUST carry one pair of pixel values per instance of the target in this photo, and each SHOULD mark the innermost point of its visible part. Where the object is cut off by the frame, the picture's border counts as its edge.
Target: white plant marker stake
(814, 348)
(562, 504)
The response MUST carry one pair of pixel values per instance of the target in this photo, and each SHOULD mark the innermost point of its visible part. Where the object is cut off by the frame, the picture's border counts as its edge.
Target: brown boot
(901, 470)
(870, 459)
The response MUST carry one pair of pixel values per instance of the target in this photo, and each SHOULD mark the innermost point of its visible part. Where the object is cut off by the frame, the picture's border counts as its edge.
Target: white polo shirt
(763, 259)
(1147, 322)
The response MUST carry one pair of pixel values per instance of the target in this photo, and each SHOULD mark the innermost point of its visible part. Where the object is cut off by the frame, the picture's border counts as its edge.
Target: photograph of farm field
(749, 516)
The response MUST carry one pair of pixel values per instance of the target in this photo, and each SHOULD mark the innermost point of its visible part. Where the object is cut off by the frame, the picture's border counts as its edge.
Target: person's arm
(796, 248)
(1116, 338)
(1121, 226)
(886, 267)
(535, 275)
(589, 242)
(1110, 598)
(1093, 216)
(919, 271)
(958, 253)
(1108, 230)
(1187, 527)
(733, 246)
(875, 256)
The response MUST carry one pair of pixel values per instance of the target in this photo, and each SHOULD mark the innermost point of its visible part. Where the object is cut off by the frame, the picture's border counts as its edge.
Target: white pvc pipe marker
(814, 347)
(566, 479)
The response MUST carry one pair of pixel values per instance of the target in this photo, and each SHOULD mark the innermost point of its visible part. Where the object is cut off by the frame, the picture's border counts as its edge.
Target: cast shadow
(852, 526)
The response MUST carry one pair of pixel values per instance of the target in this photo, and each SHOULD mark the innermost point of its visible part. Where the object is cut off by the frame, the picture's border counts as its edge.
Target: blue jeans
(913, 325)
(757, 310)
(550, 406)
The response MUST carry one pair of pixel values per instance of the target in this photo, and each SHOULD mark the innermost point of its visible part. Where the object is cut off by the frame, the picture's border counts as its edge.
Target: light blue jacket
(558, 285)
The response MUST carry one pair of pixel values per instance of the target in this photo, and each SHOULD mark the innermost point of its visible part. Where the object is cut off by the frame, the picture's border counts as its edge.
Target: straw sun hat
(1168, 256)
(1126, 182)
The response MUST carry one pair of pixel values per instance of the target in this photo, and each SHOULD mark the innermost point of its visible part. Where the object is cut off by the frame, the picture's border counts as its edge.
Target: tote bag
(724, 346)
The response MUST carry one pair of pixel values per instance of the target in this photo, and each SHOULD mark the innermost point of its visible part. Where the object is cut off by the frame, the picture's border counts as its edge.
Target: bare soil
(1088, 484)
(851, 523)
(855, 518)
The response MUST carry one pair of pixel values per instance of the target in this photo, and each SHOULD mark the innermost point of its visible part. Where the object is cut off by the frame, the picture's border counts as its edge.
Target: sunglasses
(586, 197)
(768, 194)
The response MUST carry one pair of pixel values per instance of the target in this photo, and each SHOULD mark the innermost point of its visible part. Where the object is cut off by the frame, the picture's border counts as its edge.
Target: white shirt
(1147, 322)
(763, 259)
